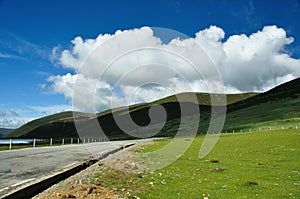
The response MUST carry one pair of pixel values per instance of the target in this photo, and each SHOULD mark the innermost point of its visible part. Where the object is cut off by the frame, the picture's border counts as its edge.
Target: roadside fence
(27, 143)
(270, 128)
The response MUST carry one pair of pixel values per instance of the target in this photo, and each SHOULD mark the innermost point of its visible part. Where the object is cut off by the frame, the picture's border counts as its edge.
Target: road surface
(23, 165)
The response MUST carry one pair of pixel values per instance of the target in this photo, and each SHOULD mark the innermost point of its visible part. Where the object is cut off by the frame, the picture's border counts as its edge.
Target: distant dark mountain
(4, 131)
(278, 106)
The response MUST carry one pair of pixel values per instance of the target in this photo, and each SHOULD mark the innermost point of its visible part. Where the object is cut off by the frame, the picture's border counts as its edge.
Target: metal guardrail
(271, 128)
(63, 141)
(50, 142)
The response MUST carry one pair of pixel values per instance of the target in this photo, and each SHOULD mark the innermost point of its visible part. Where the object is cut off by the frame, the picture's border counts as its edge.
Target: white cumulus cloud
(135, 65)
(23, 114)
(14, 122)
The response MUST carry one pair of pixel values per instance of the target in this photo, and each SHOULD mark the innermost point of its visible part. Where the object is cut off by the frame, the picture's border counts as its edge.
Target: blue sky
(30, 30)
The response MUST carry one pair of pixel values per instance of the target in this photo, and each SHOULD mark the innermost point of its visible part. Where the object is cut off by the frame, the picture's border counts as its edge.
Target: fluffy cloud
(9, 113)
(23, 114)
(12, 122)
(251, 62)
(14, 113)
(48, 110)
(134, 65)
(11, 119)
(89, 87)
(2, 113)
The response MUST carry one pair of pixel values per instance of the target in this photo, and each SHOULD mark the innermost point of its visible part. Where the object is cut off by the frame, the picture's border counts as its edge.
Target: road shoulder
(83, 184)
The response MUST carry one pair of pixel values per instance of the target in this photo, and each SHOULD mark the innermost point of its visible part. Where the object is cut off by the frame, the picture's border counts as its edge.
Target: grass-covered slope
(275, 109)
(66, 116)
(250, 165)
(279, 106)
(62, 124)
(64, 120)
(4, 131)
(202, 98)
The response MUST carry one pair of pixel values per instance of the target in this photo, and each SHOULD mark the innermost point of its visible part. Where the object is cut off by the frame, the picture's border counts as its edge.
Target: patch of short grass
(126, 184)
(246, 165)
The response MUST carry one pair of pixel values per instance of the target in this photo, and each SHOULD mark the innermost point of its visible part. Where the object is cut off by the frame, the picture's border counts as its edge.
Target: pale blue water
(16, 141)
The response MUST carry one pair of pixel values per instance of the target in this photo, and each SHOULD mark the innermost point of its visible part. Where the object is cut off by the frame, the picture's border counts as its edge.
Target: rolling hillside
(279, 106)
(63, 118)
(62, 125)
(4, 131)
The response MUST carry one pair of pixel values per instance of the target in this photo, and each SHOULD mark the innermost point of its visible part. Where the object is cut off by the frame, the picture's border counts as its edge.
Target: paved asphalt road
(17, 166)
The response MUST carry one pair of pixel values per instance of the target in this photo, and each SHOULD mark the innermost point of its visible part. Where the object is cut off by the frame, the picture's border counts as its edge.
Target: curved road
(24, 165)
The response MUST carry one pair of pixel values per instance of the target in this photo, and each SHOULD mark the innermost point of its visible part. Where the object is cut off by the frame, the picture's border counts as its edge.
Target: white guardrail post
(34, 140)
(270, 128)
(10, 144)
(92, 140)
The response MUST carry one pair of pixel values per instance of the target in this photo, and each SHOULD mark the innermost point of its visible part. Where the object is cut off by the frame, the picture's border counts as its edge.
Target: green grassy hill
(203, 99)
(64, 118)
(62, 124)
(278, 107)
(4, 131)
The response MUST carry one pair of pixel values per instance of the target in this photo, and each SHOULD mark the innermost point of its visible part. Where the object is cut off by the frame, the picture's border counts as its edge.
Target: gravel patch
(80, 185)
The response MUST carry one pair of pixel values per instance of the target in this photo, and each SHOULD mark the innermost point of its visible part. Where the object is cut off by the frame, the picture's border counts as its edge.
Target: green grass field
(250, 165)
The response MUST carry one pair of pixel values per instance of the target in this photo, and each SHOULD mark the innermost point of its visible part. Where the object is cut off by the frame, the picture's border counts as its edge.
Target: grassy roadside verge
(250, 165)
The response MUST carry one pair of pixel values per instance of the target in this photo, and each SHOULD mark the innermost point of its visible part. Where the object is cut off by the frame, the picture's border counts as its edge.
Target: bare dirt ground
(83, 184)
